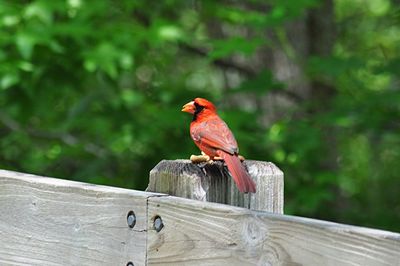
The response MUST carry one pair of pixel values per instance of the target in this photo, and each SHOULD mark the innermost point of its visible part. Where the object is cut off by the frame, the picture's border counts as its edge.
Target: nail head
(131, 219)
(158, 223)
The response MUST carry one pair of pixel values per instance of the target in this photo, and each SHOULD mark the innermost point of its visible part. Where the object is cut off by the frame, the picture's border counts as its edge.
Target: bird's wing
(214, 133)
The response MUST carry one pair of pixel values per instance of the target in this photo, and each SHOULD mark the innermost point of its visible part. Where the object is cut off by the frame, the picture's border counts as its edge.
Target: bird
(214, 138)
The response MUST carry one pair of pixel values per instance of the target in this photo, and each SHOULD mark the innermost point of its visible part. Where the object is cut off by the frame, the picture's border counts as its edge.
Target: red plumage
(211, 134)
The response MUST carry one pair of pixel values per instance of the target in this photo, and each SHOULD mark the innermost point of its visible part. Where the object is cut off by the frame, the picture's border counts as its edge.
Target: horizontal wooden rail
(46, 221)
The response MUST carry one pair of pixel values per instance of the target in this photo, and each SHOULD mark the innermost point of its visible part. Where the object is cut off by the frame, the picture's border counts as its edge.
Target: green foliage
(224, 48)
(260, 84)
(92, 91)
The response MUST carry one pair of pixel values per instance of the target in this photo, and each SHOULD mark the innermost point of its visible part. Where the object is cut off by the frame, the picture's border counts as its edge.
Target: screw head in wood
(131, 219)
(158, 223)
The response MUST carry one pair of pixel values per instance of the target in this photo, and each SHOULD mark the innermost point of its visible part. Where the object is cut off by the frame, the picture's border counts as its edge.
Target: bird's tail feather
(238, 172)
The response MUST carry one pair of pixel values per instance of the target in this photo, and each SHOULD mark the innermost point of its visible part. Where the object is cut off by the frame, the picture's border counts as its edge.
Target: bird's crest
(205, 103)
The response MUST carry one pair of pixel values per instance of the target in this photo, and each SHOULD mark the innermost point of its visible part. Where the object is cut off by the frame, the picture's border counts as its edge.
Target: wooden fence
(47, 221)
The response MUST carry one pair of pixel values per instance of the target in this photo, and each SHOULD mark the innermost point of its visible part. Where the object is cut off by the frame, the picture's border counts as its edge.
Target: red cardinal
(214, 138)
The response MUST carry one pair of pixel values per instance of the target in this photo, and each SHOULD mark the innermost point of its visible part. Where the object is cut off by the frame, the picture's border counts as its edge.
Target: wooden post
(212, 182)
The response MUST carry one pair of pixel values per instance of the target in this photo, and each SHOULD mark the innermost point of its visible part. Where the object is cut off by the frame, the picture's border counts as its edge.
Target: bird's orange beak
(189, 108)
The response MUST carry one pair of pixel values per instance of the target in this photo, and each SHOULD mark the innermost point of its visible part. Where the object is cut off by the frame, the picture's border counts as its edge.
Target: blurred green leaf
(393, 66)
(9, 80)
(333, 66)
(260, 84)
(25, 42)
(224, 48)
(40, 10)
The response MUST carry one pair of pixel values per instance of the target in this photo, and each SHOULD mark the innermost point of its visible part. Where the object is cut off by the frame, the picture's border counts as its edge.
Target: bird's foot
(200, 158)
(205, 158)
(217, 158)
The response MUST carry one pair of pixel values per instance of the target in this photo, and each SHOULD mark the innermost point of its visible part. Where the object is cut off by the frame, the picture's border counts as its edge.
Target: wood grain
(46, 221)
(211, 182)
(199, 233)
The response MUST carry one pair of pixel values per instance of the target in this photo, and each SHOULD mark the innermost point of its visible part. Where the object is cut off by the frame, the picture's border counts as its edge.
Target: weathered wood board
(46, 221)
(199, 233)
(211, 182)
